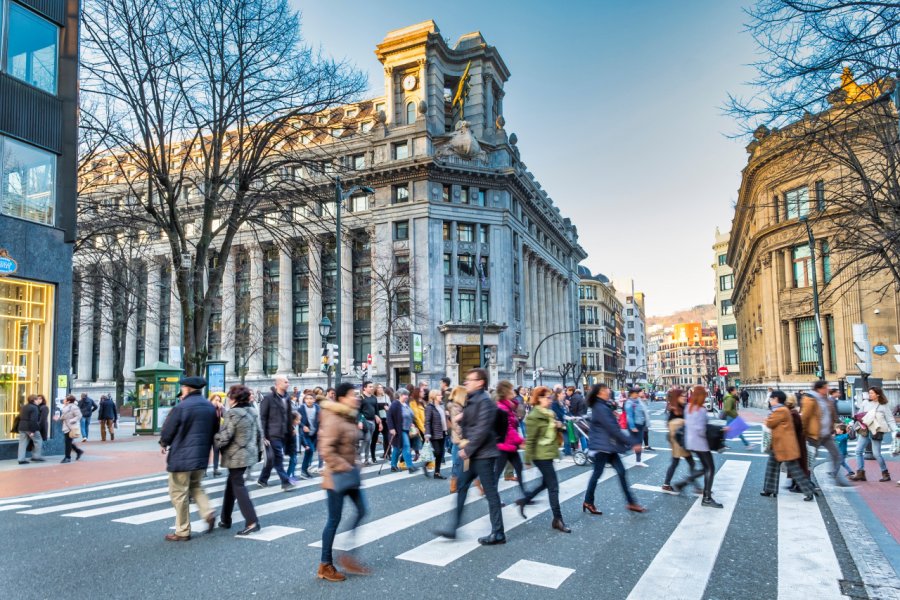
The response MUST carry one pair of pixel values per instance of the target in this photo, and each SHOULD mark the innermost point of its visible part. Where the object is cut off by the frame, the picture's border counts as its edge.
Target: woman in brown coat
(338, 441)
(785, 449)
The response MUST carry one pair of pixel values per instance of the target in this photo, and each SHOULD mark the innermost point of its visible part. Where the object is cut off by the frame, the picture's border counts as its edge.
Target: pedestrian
(509, 444)
(541, 449)
(606, 441)
(339, 440)
(791, 404)
(841, 435)
(70, 415)
(828, 416)
(400, 422)
(454, 409)
(43, 420)
(479, 449)
(294, 447)
(383, 402)
(309, 433)
(745, 398)
(522, 407)
(636, 417)
(436, 429)
(370, 422)
(415, 433)
(645, 434)
(695, 440)
(216, 399)
(277, 426)
(731, 410)
(784, 450)
(675, 403)
(108, 415)
(560, 411)
(28, 427)
(87, 407)
(876, 417)
(240, 442)
(187, 438)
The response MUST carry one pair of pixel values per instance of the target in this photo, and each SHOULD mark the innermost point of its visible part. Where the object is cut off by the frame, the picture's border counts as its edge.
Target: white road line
(440, 552)
(13, 507)
(105, 510)
(391, 524)
(651, 488)
(535, 573)
(807, 565)
(694, 545)
(97, 501)
(267, 534)
(84, 490)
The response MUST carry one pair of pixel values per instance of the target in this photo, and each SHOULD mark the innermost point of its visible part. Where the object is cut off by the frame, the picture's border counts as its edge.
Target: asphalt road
(760, 548)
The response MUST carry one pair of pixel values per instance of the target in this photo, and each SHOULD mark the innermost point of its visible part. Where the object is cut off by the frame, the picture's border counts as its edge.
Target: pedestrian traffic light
(335, 355)
(326, 359)
(861, 348)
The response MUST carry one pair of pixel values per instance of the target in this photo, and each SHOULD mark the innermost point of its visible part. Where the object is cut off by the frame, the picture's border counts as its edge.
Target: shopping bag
(766, 440)
(426, 455)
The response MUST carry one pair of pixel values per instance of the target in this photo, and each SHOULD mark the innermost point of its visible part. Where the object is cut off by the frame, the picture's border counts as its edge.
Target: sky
(619, 111)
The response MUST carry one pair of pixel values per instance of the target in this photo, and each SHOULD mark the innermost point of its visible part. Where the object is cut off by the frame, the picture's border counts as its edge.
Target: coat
(604, 434)
(577, 405)
(188, 433)
(452, 410)
(678, 450)
(730, 406)
(877, 416)
(240, 438)
(478, 426)
(70, 416)
(513, 439)
(338, 440)
(108, 410)
(275, 417)
(541, 442)
(395, 423)
(29, 418)
(418, 411)
(305, 422)
(811, 417)
(44, 421)
(87, 406)
(434, 428)
(784, 438)
(695, 430)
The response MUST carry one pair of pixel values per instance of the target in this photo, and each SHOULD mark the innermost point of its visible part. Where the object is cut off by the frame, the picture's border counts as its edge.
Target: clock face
(409, 82)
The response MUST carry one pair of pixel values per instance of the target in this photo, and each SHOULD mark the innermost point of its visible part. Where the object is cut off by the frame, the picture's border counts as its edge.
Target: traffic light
(326, 359)
(861, 348)
(334, 355)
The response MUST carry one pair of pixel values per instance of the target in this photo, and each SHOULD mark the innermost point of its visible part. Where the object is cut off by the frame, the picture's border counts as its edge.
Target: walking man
(88, 407)
(187, 438)
(29, 429)
(108, 416)
(827, 418)
(369, 423)
(479, 451)
(745, 398)
(277, 426)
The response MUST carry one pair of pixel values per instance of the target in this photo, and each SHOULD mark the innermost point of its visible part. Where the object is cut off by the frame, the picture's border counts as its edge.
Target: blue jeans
(85, 426)
(277, 447)
(335, 502)
(864, 441)
(600, 460)
(310, 441)
(728, 421)
(455, 461)
(407, 456)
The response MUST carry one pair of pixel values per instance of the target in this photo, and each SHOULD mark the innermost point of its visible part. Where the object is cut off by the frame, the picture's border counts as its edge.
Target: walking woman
(605, 442)
(418, 409)
(454, 413)
(338, 443)
(382, 400)
(676, 400)
(216, 399)
(239, 440)
(785, 449)
(436, 429)
(695, 421)
(541, 449)
(509, 446)
(877, 418)
(791, 404)
(400, 421)
(71, 426)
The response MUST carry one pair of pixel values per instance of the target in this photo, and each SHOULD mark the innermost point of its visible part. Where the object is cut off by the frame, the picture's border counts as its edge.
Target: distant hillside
(701, 313)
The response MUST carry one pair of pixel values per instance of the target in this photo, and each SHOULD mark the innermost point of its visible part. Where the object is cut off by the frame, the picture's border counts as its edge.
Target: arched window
(410, 113)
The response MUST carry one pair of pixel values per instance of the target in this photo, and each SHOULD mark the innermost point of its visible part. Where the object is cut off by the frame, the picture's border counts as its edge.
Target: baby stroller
(580, 427)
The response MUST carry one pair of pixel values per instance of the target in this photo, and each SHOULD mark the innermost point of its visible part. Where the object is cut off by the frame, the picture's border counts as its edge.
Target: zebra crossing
(405, 508)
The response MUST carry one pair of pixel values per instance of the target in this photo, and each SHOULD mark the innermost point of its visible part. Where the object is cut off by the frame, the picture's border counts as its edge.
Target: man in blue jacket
(187, 437)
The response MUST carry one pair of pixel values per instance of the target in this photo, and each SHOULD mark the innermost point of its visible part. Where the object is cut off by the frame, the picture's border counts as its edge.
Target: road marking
(535, 573)
(652, 488)
(391, 524)
(694, 545)
(110, 500)
(105, 510)
(13, 507)
(269, 533)
(441, 552)
(84, 490)
(807, 566)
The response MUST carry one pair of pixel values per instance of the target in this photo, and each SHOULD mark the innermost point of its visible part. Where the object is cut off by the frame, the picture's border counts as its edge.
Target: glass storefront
(26, 345)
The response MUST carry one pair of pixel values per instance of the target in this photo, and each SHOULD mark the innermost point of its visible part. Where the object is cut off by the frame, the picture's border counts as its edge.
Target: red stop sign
(723, 371)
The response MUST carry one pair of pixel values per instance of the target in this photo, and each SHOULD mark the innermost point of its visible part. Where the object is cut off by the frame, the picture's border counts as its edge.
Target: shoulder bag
(15, 425)
(346, 480)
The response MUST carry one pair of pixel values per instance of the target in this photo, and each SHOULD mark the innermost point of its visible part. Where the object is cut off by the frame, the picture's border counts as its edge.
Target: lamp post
(820, 373)
(324, 330)
(541, 343)
(340, 195)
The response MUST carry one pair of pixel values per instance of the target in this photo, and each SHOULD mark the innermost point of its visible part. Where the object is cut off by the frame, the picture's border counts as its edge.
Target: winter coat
(730, 406)
(338, 440)
(541, 443)
(678, 450)
(108, 410)
(305, 422)
(240, 438)
(513, 439)
(29, 418)
(434, 428)
(418, 411)
(695, 430)
(811, 417)
(44, 421)
(605, 435)
(70, 416)
(395, 423)
(478, 426)
(452, 410)
(577, 405)
(784, 438)
(275, 416)
(188, 433)
(880, 419)
(87, 406)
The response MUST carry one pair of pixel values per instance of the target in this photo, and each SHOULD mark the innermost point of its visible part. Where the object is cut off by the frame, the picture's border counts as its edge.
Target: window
(362, 347)
(483, 234)
(483, 264)
(400, 150)
(482, 196)
(727, 308)
(31, 53)
(365, 127)
(401, 230)
(358, 162)
(806, 340)
(448, 260)
(630, 312)
(301, 314)
(731, 357)
(826, 261)
(485, 306)
(27, 182)
(820, 195)
(729, 332)
(401, 264)
(465, 265)
(801, 260)
(630, 337)
(379, 107)
(359, 203)
(465, 232)
(403, 303)
(796, 202)
(445, 230)
(400, 193)
(301, 354)
(726, 282)
(467, 307)
(448, 305)
(464, 195)
(446, 193)
(722, 258)
(410, 113)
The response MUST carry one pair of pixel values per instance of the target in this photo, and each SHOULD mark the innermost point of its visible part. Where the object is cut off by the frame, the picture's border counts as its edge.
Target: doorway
(468, 359)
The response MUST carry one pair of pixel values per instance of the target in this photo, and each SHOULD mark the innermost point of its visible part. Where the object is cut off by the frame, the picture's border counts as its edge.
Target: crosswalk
(695, 537)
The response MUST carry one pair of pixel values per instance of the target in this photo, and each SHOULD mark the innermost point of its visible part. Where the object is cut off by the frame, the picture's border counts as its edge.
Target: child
(840, 438)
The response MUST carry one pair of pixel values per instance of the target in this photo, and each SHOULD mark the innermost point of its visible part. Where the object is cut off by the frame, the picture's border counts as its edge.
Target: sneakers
(710, 503)
(24, 462)
(262, 484)
(329, 573)
(65, 460)
(640, 464)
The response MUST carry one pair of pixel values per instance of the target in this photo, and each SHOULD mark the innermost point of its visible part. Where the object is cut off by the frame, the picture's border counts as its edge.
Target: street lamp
(340, 195)
(324, 330)
(820, 373)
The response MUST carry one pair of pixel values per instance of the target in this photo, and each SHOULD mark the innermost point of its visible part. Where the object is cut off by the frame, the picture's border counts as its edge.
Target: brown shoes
(635, 508)
(210, 522)
(860, 475)
(329, 573)
(452, 485)
(171, 537)
(353, 566)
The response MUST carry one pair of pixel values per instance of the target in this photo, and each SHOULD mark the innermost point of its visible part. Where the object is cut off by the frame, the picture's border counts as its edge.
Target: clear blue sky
(618, 110)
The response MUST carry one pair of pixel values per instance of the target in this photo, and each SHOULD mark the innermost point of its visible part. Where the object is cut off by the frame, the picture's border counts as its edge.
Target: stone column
(130, 344)
(228, 314)
(175, 345)
(346, 275)
(539, 314)
(105, 368)
(315, 307)
(285, 313)
(792, 341)
(788, 269)
(527, 304)
(86, 335)
(151, 318)
(257, 316)
(548, 357)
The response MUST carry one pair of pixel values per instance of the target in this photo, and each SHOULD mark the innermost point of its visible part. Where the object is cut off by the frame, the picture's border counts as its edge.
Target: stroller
(578, 427)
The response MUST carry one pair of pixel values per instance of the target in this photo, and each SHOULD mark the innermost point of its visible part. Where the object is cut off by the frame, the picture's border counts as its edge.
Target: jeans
(292, 463)
(407, 456)
(24, 438)
(728, 421)
(235, 490)
(483, 469)
(335, 502)
(600, 461)
(85, 426)
(277, 447)
(456, 463)
(216, 452)
(515, 460)
(374, 443)
(861, 445)
(310, 441)
(365, 441)
(550, 482)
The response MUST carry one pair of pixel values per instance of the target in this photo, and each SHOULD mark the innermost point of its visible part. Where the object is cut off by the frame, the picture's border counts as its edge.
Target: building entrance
(467, 357)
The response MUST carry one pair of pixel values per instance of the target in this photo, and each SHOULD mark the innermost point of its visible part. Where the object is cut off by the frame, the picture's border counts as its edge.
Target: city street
(106, 540)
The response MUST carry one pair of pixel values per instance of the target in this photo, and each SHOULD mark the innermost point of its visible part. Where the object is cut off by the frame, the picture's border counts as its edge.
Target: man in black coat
(88, 407)
(276, 419)
(108, 415)
(29, 428)
(479, 450)
(187, 438)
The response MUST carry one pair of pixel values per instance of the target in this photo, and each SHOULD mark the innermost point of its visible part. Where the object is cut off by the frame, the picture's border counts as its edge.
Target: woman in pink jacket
(512, 441)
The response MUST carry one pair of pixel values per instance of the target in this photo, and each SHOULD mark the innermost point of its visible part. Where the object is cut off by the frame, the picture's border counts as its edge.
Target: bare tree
(565, 370)
(210, 114)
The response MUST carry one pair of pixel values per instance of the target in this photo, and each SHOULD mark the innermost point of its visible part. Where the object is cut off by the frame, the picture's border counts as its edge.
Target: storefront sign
(215, 378)
(880, 349)
(7, 265)
(416, 353)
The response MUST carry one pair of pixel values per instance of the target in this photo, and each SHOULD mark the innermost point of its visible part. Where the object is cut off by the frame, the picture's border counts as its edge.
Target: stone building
(601, 336)
(688, 356)
(634, 319)
(726, 322)
(454, 209)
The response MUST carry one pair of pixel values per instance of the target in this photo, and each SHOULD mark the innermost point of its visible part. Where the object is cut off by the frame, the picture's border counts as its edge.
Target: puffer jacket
(70, 417)
(433, 426)
(478, 426)
(541, 443)
(454, 409)
(605, 435)
(240, 438)
(513, 439)
(188, 433)
(338, 440)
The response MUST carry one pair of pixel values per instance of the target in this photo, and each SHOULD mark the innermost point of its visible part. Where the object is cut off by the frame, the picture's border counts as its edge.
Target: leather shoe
(492, 540)
(210, 522)
(560, 525)
(250, 529)
(224, 525)
(171, 537)
(439, 476)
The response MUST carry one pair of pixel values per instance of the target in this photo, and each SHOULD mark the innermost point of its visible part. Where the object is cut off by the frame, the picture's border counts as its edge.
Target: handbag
(346, 480)
(413, 432)
(74, 434)
(426, 454)
(15, 425)
(766, 440)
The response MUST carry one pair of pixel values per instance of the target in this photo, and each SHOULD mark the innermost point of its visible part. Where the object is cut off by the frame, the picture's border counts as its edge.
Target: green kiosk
(156, 393)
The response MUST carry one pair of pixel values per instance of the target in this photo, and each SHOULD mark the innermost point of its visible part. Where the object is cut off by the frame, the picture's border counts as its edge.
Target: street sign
(369, 359)
(880, 349)
(723, 371)
(416, 353)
